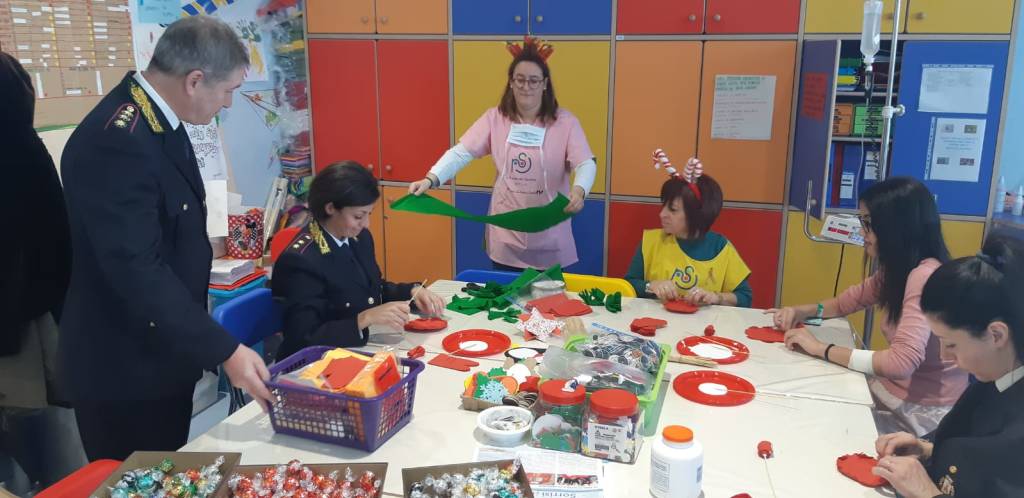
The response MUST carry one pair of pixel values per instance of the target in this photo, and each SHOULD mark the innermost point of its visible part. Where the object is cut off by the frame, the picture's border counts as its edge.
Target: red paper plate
(766, 334)
(426, 325)
(495, 342)
(857, 466)
(680, 306)
(738, 350)
(721, 389)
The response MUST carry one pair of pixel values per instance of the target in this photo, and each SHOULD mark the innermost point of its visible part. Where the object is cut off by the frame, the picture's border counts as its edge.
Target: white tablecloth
(807, 434)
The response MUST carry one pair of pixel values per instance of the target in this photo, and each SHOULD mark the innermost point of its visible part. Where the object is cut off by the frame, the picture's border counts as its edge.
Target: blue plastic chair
(484, 276)
(250, 318)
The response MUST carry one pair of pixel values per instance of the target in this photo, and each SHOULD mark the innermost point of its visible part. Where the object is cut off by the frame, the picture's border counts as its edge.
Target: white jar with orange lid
(677, 464)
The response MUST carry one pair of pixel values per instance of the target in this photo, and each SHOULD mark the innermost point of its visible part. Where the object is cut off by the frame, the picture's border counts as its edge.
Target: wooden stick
(712, 339)
(799, 396)
(693, 360)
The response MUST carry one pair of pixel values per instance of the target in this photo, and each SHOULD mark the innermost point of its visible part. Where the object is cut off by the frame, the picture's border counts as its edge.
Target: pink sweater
(911, 369)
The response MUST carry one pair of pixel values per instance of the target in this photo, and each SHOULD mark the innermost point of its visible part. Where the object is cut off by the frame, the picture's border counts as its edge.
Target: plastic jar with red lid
(558, 416)
(612, 426)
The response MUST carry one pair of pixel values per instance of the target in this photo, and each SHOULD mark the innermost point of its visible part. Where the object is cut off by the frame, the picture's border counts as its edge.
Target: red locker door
(752, 16)
(343, 89)
(414, 110)
(660, 17)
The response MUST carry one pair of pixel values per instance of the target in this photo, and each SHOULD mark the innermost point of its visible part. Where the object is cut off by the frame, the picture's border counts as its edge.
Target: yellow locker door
(412, 16)
(653, 112)
(959, 16)
(579, 73)
(748, 170)
(845, 16)
(418, 246)
(811, 269)
(333, 16)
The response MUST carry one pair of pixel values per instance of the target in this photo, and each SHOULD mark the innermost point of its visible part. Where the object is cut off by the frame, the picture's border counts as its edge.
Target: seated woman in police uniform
(328, 278)
(684, 259)
(975, 307)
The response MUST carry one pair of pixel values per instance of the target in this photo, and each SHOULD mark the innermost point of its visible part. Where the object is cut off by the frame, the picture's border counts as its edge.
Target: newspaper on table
(553, 474)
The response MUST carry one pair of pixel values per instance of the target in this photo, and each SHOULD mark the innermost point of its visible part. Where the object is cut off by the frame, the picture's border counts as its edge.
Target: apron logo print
(522, 163)
(685, 279)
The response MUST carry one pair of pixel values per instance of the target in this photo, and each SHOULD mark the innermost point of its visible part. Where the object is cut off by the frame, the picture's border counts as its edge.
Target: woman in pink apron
(536, 147)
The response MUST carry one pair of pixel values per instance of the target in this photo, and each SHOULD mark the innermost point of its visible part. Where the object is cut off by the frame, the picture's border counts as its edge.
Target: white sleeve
(861, 361)
(451, 162)
(585, 174)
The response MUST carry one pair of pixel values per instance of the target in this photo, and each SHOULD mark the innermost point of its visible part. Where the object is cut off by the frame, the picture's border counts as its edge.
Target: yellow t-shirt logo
(685, 279)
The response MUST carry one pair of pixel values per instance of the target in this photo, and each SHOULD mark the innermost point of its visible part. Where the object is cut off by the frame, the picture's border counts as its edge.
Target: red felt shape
(646, 326)
(709, 331)
(529, 336)
(766, 334)
(530, 385)
(426, 325)
(572, 307)
(341, 371)
(547, 304)
(738, 390)
(496, 342)
(416, 352)
(739, 350)
(741, 495)
(680, 306)
(446, 361)
(857, 466)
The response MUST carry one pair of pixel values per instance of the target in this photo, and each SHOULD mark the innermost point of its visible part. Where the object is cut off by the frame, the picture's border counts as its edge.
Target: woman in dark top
(328, 278)
(975, 307)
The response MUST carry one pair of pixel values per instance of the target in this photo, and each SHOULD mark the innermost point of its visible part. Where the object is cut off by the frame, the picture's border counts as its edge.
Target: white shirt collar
(1003, 383)
(172, 118)
(340, 242)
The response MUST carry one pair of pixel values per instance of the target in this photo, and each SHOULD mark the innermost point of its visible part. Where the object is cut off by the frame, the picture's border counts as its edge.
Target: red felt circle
(740, 351)
(680, 306)
(426, 325)
(496, 342)
(688, 384)
(857, 466)
(766, 334)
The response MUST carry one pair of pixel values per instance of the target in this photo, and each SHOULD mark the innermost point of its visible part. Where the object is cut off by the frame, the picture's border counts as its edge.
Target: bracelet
(436, 184)
(821, 311)
(827, 349)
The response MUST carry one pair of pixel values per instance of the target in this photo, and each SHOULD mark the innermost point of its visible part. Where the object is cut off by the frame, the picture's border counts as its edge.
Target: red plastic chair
(82, 482)
(280, 242)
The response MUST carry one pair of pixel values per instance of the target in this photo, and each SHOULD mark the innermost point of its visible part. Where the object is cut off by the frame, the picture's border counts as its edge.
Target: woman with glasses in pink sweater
(912, 386)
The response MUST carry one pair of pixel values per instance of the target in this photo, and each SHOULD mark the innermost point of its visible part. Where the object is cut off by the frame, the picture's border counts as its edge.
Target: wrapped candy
(490, 482)
(157, 482)
(295, 480)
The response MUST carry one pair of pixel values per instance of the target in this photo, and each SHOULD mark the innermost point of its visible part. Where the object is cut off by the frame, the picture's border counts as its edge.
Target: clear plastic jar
(558, 417)
(612, 426)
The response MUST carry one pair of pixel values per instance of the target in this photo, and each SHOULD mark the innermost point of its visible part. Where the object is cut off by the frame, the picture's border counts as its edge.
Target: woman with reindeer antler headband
(536, 147)
(684, 259)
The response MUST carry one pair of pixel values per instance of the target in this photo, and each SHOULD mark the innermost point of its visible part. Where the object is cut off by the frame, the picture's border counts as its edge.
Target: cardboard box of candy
(417, 476)
(169, 465)
(367, 476)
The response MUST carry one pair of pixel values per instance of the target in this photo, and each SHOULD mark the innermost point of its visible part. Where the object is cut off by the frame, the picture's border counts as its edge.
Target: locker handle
(693, 17)
(717, 17)
(364, 19)
(540, 18)
(384, 20)
(387, 167)
(890, 16)
(921, 16)
(518, 18)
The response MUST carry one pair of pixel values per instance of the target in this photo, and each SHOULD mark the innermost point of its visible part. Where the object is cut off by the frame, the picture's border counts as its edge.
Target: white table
(808, 435)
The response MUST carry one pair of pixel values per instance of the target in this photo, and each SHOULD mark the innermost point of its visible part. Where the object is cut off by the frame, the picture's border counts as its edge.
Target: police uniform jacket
(979, 444)
(135, 323)
(324, 287)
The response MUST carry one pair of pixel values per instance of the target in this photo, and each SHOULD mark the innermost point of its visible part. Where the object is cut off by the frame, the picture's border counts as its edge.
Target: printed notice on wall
(812, 96)
(209, 153)
(958, 88)
(743, 107)
(956, 147)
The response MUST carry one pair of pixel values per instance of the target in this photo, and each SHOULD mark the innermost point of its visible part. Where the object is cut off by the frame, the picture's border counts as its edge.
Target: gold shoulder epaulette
(126, 116)
(146, 105)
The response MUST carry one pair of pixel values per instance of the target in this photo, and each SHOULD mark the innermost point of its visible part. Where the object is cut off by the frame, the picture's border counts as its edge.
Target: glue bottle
(1018, 203)
(677, 464)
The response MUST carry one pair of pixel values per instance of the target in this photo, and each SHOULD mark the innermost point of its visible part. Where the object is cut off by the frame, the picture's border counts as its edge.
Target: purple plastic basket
(360, 423)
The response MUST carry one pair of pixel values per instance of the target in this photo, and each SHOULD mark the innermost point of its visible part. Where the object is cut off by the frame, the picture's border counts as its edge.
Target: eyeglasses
(865, 222)
(522, 82)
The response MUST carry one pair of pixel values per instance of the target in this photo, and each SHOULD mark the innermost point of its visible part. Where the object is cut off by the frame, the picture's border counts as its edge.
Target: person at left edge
(332, 288)
(136, 335)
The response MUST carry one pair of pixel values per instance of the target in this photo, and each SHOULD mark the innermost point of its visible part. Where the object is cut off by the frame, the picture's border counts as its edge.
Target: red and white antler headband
(691, 173)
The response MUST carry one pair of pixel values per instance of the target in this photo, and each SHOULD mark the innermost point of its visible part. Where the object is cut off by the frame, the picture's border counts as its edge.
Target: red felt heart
(573, 307)
(680, 306)
(857, 466)
(425, 325)
(647, 326)
(446, 361)
(766, 334)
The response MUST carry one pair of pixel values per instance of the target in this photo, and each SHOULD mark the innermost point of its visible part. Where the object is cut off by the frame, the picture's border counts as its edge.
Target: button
(152, 324)
(348, 305)
(184, 207)
(369, 300)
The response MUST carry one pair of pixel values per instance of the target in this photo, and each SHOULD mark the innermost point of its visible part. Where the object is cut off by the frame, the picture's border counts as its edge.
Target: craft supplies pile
(350, 373)
(492, 482)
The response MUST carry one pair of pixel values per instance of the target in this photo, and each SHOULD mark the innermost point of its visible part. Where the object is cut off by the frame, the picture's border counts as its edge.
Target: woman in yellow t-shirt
(684, 258)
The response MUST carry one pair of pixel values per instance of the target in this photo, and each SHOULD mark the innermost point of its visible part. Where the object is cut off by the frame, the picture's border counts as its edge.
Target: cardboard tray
(379, 469)
(413, 474)
(182, 461)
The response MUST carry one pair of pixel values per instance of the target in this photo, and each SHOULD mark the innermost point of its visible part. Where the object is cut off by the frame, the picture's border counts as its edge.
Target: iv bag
(871, 34)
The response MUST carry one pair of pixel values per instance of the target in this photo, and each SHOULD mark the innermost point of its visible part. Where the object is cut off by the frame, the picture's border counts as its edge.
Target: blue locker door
(588, 230)
(571, 17)
(490, 17)
(469, 235)
(919, 149)
(813, 124)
